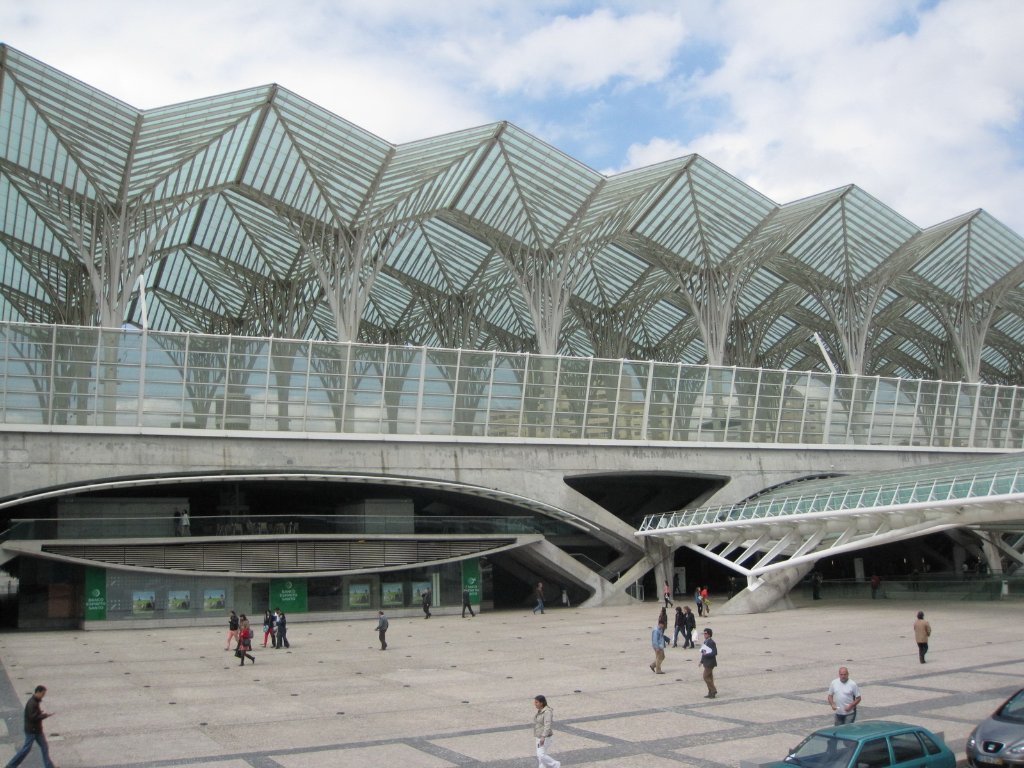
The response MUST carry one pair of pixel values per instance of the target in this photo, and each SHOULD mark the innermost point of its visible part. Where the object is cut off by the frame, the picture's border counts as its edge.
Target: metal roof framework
(259, 212)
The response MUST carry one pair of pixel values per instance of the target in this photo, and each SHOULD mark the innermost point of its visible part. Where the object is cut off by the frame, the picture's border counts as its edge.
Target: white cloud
(919, 103)
(586, 52)
(821, 96)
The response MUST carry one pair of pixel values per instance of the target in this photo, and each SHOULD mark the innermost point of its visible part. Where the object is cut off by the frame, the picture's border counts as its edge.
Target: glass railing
(60, 377)
(272, 525)
(1001, 481)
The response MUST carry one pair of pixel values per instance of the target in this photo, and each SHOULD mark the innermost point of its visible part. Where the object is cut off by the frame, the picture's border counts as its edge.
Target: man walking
(658, 644)
(34, 716)
(922, 631)
(709, 660)
(666, 592)
(844, 697)
(426, 603)
(467, 604)
(281, 623)
(539, 594)
(689, 627)
(382, 629)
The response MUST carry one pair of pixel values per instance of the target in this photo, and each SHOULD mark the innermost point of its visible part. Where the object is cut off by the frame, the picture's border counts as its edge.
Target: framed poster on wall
(418, 588)
(143, 601)
(358, 596)
(213, 599)
(179, 600)
(392, 594)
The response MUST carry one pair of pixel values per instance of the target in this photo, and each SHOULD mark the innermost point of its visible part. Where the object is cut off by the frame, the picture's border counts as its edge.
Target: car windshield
(1013, 709)
(820, 751)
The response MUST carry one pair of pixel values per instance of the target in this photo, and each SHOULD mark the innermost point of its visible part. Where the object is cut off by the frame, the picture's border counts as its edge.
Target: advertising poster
(392, 595)
(290, 595)
(471, 579)
(95, 594)
(143, 601)
(179, 600)
(418, 588)
(213, 600)
(358, 596)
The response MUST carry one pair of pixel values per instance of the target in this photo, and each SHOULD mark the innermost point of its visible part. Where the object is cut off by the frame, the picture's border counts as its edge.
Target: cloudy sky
(918, 102)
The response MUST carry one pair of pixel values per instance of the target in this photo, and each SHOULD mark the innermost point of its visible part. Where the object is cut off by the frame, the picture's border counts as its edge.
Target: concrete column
(771, 593)
(993, 558)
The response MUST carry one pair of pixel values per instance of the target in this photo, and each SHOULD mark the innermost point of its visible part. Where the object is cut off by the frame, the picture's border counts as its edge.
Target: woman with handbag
(245, 642)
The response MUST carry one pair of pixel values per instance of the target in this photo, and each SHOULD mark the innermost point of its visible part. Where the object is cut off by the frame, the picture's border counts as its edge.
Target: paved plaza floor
(452, 691)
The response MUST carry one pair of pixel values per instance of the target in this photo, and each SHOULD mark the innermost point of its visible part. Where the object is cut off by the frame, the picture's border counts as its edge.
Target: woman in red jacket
(245, 642)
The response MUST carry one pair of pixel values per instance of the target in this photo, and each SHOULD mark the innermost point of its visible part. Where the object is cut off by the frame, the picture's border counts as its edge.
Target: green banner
(289, 595)
(471, 579)
(95, 594)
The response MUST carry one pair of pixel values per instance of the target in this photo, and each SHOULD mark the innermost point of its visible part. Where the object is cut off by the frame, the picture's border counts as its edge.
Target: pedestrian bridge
(793, 526)
(595, 444)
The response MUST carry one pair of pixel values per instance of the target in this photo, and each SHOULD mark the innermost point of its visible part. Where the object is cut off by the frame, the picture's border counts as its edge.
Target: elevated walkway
(792, 526)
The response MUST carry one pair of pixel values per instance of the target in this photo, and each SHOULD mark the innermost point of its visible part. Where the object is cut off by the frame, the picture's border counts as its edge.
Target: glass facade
(73, 377)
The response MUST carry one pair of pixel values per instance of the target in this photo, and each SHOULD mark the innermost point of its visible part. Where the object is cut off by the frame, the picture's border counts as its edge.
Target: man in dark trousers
(467, 604)
(34, 717)
(689, 627)
(426, 603)
(709, 660)
(282, 630)
(382, 629)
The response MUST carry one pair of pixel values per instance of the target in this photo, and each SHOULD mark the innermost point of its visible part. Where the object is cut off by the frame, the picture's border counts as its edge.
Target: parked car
(999, 739)
(870, 744)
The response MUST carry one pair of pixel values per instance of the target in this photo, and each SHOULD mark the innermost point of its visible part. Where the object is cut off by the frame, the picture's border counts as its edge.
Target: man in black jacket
(709, 660)
(34, 717)
(689, 627)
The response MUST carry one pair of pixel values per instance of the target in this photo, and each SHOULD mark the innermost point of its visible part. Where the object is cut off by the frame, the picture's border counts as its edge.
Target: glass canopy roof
(260, 212)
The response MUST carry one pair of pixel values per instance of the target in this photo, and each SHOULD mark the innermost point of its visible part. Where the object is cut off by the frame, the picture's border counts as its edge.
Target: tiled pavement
(452, 691)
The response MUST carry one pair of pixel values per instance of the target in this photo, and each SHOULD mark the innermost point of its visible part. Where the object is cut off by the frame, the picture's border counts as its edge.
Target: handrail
(165, 526)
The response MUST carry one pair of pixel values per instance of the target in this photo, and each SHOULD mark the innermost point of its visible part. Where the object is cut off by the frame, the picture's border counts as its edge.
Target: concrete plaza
(452, 691)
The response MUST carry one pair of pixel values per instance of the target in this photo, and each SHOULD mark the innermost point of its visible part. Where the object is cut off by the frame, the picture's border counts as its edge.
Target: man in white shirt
(843, 697)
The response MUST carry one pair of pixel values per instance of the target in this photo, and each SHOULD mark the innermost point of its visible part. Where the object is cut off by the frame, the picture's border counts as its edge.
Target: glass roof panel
(232, 191)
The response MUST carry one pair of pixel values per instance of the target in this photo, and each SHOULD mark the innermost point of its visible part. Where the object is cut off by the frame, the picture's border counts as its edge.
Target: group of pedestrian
(685, 625)
(275, 631)
(843, 697)
(240, 633)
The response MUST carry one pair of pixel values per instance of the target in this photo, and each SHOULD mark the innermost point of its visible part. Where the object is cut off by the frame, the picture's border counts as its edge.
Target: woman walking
(232, 631)
(245, 642)
(679, 626)
(268, 628)
(542, 722)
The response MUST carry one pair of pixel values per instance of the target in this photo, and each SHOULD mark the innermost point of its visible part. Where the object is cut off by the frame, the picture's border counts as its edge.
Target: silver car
(999, 740)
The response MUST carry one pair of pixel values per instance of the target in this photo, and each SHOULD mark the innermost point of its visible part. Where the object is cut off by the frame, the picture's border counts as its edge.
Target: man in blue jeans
(34, 717)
